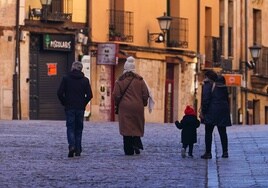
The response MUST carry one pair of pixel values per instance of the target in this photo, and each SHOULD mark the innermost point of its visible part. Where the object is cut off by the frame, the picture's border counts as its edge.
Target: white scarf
(150, 99)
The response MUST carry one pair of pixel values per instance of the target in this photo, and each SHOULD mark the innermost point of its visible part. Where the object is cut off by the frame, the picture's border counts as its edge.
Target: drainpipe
(16, 75)
(198, 55)
(246, 59)
(198, 27)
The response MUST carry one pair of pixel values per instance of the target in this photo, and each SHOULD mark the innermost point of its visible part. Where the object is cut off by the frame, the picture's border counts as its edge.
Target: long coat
(188, 124)
(131, 107)
(215, 105)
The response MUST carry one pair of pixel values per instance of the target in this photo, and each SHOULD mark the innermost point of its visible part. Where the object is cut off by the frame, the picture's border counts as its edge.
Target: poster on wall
(107, 53)
(51, 69)
(86, 70)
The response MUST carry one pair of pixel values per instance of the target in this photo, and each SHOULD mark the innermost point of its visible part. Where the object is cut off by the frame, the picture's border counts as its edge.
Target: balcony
(120, 26)
(213, 52)
(260, 78)
(178, 33)
(56, 17)
(46, 16)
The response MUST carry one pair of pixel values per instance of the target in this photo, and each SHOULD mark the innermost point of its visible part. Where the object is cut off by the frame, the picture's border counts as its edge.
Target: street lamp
(255, 52)
(45, 5)
(164, 24)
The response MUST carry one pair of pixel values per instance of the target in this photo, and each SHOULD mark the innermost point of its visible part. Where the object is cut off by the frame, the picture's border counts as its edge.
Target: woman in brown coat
(131, 94)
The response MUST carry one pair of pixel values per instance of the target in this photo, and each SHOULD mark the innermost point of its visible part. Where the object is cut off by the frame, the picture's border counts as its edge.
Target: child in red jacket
(188, 125)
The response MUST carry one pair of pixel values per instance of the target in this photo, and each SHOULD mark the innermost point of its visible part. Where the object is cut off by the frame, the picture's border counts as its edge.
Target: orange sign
(51, 69)
(233, 79)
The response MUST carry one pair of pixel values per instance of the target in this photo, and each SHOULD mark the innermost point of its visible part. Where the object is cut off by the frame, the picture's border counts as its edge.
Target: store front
(51, 56)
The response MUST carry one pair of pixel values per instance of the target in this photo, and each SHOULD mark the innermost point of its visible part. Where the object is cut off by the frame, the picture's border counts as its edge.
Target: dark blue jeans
(75, 125)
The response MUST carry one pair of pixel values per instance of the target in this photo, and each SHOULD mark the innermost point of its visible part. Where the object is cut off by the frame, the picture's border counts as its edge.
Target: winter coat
(188, 124)
(215, 104)
(131, 107)
(75, 91)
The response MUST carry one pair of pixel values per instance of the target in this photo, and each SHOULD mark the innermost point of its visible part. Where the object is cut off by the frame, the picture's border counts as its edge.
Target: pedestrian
(188, 126)
(131, 94)
(74, 94)
(216, 111)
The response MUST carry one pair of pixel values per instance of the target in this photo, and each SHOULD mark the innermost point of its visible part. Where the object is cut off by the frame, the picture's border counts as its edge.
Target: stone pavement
(34, 154)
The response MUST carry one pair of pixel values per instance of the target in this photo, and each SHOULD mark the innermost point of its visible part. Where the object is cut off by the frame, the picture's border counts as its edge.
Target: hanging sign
(51, 69)
(107, 53)
(233, 79)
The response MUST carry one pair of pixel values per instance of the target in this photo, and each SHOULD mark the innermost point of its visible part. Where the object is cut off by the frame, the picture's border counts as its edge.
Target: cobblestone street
(34, 154)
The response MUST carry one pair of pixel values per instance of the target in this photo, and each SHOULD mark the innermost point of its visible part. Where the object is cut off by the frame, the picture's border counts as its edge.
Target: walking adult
(74, 94)
(131, 95)
(216, 111)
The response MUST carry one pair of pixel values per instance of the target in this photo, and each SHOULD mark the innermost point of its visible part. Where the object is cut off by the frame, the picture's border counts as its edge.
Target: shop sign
(107, 54)
(233, 79)
(57, 42)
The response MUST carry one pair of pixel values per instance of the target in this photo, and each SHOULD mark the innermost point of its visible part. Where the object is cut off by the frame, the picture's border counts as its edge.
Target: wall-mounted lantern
(45, 7)
(164, 24)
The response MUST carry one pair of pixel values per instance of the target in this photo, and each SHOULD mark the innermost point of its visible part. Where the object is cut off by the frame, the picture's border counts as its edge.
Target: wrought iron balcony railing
(44, 15)
(120, 26)
(178, 33)
(212, 52)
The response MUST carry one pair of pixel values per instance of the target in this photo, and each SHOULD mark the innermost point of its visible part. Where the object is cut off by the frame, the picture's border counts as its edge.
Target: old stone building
(242, 26)
(40, 42)
(8, 53)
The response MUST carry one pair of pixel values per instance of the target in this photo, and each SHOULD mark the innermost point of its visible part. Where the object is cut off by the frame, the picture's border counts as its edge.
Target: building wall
(255, 95)
(7, 56)
(24, 77)
(243, 38)
(78, 11)
(152, 66)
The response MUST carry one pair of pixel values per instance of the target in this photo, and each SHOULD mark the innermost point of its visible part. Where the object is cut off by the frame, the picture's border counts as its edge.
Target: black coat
(188, 124)
(75, 91)
(215, 104)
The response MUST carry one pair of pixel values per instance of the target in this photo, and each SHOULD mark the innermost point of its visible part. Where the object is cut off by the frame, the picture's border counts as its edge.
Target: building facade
(170, 67)
(44, 38)
(242, 25)
(47, 36)
(7, 55)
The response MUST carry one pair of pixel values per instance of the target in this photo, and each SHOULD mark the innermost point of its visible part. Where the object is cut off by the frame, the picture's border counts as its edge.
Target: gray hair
(77, 65)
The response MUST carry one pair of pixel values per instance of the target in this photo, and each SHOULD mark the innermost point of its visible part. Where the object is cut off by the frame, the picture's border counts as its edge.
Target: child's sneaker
(183, 153)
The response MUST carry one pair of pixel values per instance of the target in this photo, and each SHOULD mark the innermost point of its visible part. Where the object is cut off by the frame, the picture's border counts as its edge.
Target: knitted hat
(77, 65)
(211, 75)
(129, 64)
(189, 110)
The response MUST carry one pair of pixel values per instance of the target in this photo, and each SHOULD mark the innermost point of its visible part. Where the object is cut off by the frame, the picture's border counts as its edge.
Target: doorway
(169, 93)
(46, 71)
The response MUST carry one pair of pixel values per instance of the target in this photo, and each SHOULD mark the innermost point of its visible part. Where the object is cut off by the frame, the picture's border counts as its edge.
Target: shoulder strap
(125, 91)
(127, 88)
(213, 87)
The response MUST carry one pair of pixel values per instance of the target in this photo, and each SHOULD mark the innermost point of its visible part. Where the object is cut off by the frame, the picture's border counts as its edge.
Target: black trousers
(208, 137)
(191, 146)
(130, 143)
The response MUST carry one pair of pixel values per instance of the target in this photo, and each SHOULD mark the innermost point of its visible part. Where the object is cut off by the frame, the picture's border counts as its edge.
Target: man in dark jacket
(74, 94)
(216, 112)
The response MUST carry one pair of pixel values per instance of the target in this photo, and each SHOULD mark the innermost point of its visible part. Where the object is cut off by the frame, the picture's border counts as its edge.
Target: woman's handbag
(116, 107)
